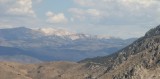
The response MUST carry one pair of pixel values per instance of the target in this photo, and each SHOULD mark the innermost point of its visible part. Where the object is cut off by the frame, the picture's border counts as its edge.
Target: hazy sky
(119, 18)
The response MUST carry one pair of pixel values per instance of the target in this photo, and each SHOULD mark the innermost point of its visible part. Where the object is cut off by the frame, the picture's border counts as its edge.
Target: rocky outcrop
(143, 55)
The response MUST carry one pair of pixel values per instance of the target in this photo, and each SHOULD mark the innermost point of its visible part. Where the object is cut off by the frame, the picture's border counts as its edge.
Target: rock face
(140, 60)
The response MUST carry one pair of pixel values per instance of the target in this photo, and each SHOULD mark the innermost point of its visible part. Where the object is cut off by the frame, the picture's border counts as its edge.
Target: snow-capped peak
(58, 32)
(71, 35)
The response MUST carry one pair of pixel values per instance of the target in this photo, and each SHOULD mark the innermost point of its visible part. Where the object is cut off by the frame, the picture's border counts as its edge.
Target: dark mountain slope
(17, 55)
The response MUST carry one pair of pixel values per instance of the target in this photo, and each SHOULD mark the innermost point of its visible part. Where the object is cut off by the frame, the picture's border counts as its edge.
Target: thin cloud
(126, 11)
(17, 8)
(56, 18)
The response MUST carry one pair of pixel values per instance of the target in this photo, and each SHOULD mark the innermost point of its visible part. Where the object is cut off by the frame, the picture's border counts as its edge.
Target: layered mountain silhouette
(17, 55)
(48, 44)
(140, 60)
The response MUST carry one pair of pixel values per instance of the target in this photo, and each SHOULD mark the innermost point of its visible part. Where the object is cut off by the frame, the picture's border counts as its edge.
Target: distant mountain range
(48, 44)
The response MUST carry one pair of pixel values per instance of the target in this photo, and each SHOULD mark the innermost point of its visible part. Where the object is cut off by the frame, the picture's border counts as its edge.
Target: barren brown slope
(10, 70)
(54, 70)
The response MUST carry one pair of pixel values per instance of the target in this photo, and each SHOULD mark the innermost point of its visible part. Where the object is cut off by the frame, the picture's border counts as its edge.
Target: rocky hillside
(140, 60)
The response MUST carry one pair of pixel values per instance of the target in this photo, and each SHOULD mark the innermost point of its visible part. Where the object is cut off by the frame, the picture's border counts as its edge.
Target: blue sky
(118, 18)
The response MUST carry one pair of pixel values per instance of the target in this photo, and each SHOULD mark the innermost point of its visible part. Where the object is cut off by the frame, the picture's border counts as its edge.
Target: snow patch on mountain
(58, 32)
(71, 35)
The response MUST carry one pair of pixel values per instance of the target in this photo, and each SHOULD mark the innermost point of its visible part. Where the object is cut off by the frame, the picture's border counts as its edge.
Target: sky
(118, 18)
